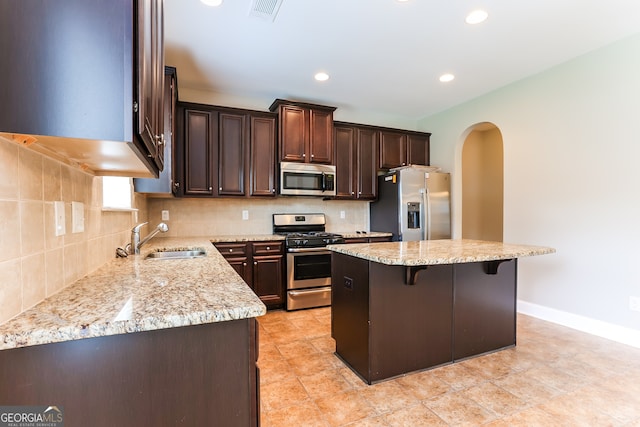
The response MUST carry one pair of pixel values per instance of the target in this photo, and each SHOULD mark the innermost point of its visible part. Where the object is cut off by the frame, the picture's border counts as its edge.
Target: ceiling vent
(265, 9)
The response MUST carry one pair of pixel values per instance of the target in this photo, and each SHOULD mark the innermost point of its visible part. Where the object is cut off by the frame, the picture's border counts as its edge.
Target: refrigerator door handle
(426, 200)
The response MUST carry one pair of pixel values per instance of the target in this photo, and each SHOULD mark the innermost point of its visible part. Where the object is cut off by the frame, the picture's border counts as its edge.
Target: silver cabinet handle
(255, 263)
(268, 248)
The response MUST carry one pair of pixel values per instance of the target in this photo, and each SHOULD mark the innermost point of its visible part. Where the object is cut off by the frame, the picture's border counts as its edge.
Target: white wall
(572, 181)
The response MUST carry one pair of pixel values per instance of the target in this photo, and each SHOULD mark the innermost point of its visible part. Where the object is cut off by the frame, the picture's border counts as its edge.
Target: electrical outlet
(165, 215)
(58, 212)
(77, 217)
(348, 282)
(634, 303)
(245, 215)
(342, 215)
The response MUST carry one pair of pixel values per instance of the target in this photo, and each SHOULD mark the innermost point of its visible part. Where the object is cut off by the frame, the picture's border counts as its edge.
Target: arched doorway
(483, 183)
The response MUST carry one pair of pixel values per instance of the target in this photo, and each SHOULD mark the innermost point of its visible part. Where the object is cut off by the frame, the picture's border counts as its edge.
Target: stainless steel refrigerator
(413, 204)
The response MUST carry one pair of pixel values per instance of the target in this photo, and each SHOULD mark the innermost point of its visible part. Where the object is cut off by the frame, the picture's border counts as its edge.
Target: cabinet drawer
(267, 248)
(232, 249)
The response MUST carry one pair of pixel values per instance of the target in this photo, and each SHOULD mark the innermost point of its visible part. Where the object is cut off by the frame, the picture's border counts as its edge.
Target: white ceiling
(383, 56)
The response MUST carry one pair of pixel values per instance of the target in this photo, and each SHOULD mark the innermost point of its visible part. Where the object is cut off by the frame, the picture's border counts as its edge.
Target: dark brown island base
(401, 307)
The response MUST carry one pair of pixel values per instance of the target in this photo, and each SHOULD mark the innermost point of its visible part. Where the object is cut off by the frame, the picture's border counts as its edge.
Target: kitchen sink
(195, 253)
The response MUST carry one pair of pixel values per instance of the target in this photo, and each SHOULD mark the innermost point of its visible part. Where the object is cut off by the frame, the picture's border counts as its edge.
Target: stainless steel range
(308, 262)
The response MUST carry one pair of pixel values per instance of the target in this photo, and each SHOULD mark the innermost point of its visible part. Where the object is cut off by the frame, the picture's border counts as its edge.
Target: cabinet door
(158, 67)
(293, 133)
(263, 156)
(231, 154)
(320, 137)
(367, 164)
(149, 67)
(392, 149)
(268, 279)
(242, 267)
(345, 161)
(418, 150)
(200, 132)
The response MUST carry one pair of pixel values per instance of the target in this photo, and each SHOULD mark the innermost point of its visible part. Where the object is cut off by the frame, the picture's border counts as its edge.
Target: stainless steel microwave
(306, 179)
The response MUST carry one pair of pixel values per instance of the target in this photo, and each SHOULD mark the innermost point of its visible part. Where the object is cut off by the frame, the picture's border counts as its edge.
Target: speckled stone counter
(432, 252)
(246, 238)
(267, 237)
(355, 234)
(134, 295)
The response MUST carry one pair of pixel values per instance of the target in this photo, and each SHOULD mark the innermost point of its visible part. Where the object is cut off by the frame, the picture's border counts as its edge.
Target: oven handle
(316, 250)
(309, 291)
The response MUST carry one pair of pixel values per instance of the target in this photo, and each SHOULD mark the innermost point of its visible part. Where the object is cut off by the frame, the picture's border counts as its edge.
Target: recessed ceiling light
(212, 2)
(447, 77)
(321, 77)
(476, 17)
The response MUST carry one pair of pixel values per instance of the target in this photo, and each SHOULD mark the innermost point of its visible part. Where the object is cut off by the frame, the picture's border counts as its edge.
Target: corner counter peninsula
(400, 307)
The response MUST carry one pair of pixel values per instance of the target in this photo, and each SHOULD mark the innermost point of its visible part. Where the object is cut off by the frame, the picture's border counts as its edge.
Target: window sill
(110, 209)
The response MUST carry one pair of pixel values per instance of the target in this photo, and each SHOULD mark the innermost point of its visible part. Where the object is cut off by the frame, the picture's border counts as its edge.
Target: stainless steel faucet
(136, 243)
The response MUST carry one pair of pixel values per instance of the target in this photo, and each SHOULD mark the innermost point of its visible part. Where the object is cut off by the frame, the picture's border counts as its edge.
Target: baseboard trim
(599, 328)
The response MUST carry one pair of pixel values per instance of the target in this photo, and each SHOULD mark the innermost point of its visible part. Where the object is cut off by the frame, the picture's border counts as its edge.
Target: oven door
(308, 267)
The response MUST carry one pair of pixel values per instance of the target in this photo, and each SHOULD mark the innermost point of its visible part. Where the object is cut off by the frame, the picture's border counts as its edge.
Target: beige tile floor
(555, 376)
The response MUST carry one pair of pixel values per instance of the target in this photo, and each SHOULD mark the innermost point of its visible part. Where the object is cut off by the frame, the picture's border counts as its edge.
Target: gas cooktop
(304, 230)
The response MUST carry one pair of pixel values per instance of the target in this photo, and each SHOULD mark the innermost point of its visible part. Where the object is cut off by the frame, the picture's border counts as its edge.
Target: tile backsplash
(219, 217)
(34, 263)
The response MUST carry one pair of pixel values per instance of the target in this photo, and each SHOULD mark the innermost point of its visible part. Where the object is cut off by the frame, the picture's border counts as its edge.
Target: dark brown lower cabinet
(384, 327)
(194, 375)
(261, 265)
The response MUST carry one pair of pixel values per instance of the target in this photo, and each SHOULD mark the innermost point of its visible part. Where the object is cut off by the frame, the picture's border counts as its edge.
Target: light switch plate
(245, 215)
(342, 215)
(58, 213)
(165, 215)
(77, 217)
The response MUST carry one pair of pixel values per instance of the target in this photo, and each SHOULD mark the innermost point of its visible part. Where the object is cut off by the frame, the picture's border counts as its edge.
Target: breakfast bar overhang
(401, 307)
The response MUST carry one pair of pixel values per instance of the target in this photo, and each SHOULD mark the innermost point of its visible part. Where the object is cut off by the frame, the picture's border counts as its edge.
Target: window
(116, 193)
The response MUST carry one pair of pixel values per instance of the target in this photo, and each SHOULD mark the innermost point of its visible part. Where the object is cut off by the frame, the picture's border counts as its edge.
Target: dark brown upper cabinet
(227, 152)
(401, 148)
(197, 150)
(81, 78)
(150, 77)
(305, 132)
(166, 184)
(232, 145)
(262, 146)
(356, 161)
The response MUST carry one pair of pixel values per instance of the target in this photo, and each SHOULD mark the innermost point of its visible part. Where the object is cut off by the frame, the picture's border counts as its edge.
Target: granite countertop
(134, 295)
(246, 238)
(268, 237)
(431, 252)
(355, 234)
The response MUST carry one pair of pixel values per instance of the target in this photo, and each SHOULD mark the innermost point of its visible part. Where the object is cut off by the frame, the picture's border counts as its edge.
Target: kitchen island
(141, 342)
(400, 307)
